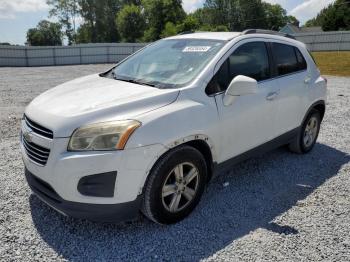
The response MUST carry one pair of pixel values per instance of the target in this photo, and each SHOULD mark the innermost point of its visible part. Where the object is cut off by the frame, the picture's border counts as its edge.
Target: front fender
(178, 123)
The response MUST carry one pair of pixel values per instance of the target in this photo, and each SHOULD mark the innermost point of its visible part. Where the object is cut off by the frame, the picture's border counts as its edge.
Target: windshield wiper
(135, 82)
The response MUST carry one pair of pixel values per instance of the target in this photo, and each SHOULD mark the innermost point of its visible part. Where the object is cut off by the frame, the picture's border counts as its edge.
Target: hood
(93, 98)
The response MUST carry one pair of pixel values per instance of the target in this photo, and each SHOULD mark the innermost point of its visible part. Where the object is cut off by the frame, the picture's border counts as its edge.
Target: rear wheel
(308, 134)
(175, 185)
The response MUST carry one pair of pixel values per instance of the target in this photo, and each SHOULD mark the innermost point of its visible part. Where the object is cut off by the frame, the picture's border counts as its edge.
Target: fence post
(313, 42)
(80, 60)
(26, 55)
(54, 55)
(108, 56)
(340, 40)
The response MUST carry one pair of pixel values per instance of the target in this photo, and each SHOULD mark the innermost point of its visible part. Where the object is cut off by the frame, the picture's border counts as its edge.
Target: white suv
(148, 134)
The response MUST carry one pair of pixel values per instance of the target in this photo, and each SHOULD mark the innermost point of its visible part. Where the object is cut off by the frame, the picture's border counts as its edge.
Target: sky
(17, 16)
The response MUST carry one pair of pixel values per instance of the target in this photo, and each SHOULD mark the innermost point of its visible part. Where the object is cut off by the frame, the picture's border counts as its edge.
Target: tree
(334, 17)
(238, 15)
(99, 20)
(130, 23)
(158, 13)
(220, 28)
(67, 12)
(337, 16)
(250, 14)
(218, 12)
(189, 24)
(84, 34)
(293, 20)
(169, 30)
(276, 17)
(205, 18)
(46, 33)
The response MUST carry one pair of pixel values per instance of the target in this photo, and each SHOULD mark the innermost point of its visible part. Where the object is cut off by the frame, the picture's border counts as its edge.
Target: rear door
(292, 77)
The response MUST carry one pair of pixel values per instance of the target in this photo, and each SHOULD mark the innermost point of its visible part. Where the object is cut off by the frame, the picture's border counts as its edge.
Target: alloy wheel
(310, 132)
(180, 187)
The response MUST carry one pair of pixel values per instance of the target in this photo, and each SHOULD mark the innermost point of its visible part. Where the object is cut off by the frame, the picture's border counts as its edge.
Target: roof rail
(268, 32)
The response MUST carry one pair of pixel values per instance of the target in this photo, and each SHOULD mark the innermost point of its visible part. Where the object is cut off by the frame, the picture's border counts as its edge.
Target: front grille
(36, 153)
(38, 128)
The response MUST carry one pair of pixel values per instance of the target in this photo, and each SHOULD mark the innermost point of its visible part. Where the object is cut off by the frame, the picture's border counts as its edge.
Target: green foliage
(189, 24)
(149, 20)
(276, 17)
(46, 33)
(66, 11)
(220, 28)
(334, 17)
(205, 17)
(251, 14)
(158, 13)
(99, 20)
(337, 17)
(84, 34)
(169, 30)
(292, 20)
(238, 15)
(131, 23)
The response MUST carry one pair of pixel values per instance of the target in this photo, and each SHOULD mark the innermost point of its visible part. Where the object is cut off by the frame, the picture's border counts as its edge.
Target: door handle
(272, 95)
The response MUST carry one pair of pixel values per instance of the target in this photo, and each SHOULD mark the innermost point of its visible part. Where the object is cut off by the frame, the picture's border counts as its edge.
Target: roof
(227, 36)
(208, 35)
(311, 29)
(290, 28)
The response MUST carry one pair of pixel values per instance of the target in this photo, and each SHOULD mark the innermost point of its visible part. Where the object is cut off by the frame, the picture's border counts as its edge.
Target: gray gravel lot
(280, 206)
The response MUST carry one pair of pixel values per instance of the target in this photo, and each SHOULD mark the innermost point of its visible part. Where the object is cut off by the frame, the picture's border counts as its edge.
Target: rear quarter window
(301, 60)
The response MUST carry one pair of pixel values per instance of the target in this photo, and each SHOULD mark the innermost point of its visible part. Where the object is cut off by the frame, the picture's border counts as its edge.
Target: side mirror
(240, 86)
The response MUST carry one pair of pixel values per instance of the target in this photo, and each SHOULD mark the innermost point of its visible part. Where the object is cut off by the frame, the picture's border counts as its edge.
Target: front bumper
(73, 184)
(95, 212)
(64, 170)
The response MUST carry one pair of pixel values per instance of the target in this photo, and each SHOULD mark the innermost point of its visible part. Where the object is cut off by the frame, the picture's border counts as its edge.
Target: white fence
(326, 41)
(66, 55)
(114, 52)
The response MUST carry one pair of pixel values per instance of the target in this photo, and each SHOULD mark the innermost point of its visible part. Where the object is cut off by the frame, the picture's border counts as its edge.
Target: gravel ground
(280, 206)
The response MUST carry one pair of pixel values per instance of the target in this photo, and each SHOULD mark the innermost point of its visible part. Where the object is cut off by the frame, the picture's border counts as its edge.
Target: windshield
(168, 63)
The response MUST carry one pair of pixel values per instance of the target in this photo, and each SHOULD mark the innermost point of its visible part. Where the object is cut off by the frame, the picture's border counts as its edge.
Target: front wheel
(175, 185)
(308, 134)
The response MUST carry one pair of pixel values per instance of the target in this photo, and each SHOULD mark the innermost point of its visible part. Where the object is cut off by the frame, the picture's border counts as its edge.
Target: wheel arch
(320, 106)
(205, 150)
(200, 142)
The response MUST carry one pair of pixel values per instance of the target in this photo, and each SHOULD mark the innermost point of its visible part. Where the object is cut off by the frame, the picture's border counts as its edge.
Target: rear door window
(285, 59)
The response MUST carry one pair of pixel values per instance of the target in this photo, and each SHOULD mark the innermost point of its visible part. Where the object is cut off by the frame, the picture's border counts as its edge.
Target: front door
(250, 120)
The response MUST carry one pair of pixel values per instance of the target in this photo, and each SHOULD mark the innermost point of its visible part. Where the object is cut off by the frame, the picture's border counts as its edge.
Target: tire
(163, 191)
(301, 144)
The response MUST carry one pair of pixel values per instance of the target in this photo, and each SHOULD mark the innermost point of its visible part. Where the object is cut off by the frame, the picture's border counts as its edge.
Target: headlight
(102, 136)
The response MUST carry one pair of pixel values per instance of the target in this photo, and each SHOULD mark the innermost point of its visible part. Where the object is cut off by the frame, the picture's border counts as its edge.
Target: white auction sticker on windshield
(196, 49)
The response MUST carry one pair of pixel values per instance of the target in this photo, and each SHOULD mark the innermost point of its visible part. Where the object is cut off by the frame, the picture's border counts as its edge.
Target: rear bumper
(95, 212)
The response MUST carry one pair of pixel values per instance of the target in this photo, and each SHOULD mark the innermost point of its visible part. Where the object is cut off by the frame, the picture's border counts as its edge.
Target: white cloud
(9, 8)
(281, 2)
(309, 9)
(191, 5)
